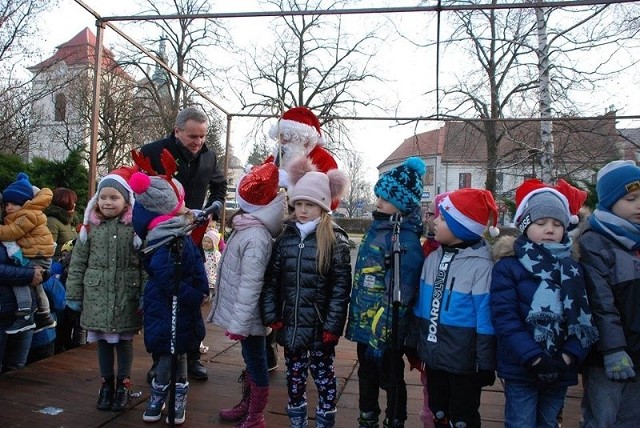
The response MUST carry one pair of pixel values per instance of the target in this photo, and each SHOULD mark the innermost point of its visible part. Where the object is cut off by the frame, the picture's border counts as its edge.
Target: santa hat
(437, 200)
(311, 185)
(536, 200)
(116, 179)
(467, 212)
(300, 122)
(258, 187)
(576, 198)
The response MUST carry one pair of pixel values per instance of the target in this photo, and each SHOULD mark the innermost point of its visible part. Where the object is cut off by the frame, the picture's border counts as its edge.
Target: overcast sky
(404, 66)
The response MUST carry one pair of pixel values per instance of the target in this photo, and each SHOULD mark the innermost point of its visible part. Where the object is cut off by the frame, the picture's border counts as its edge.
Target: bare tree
(187, 45)
(18, 25)
(360, 193)
(315, 63)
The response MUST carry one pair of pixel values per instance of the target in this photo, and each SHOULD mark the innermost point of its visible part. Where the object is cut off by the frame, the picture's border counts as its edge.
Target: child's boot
(393, 423)
(155, 405)
(105, 399)
(325, 419)
(298, 416)
(121, 396)
(441, 420)
(239, 411)
(182, 390)
(368, 419)
(257, 404)
(23, 322)
(44, 320)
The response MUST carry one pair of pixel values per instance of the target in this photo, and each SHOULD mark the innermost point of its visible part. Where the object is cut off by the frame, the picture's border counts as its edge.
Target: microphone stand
(395, 220)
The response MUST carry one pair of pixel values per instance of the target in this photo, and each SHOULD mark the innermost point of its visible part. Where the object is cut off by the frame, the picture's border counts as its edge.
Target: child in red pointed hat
(452, 310)
(539, 305)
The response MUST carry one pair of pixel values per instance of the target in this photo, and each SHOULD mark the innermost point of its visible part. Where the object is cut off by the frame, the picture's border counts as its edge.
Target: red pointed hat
(575, 196)
(469, 211)
(299, 121)
(258, 187)
(556, 207)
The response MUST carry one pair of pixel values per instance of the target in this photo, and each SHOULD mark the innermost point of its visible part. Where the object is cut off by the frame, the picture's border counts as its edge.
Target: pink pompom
(139, 182)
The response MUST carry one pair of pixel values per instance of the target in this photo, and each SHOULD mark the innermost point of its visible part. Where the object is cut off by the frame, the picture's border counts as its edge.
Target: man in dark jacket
(198, 172)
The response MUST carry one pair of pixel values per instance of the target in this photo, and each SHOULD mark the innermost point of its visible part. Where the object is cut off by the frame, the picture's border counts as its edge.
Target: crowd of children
(461, 304)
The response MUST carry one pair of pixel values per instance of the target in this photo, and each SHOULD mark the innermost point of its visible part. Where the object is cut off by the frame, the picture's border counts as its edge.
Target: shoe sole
(270, 369)
(154, 418)
(20, 330)
(38, 330)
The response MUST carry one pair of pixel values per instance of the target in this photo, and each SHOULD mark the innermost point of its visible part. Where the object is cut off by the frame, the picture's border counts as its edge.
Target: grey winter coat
(242, 267)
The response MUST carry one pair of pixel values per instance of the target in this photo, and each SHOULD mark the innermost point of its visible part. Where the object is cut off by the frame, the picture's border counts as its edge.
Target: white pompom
(574, 219)
(283, 178)
(494, 231)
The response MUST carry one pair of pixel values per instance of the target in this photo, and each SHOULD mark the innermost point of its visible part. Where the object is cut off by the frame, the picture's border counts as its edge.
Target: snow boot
(159, 393)
(298, 416)
(105, 399)
(325, 419)
(121, 396)
(257, 403)
(182, 390)
(239, 411)
(368, 419)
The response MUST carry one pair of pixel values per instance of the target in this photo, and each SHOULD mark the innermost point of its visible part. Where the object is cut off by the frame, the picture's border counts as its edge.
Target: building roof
(576, 142)
(79, 51)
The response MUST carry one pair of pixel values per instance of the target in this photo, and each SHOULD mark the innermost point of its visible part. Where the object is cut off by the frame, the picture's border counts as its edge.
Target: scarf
(306, 228)
(617, 228)
(559, 307)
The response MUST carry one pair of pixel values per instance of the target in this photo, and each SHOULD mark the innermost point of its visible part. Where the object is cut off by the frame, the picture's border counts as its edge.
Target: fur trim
(338, 183)
(299, 167)
(503, 247)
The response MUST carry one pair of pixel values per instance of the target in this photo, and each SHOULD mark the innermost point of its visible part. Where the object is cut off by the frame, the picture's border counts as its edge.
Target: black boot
(395, 423)
(195, 369)
(105, 400)
(121, 396)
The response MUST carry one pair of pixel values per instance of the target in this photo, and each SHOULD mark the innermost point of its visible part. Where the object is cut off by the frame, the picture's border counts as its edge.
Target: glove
(618, 366)
(547, 370)
(276, 325)
(75, 305)
(234, 336)
(329, 338)
(486, 377)
(414, 359)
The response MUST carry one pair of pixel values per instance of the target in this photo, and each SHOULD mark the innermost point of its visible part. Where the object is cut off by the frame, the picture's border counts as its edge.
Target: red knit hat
(469, 211)
(299, 121)
(258, 187)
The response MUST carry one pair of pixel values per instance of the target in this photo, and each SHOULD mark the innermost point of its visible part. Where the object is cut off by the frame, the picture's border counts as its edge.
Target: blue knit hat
(19, 191)
(615, 180)
(402, 186)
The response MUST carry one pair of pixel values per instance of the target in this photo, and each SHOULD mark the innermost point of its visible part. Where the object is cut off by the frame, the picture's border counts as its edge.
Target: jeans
(609, 403)
(529, 405)
(14, 349)
(255, 357)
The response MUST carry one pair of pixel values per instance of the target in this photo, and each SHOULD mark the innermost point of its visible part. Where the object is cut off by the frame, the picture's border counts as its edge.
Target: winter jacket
(613, 288)
(512, 291)
(105, 275)
(244, 261)
(373, 280)
(12, 275)
(453, 330)
(197, 175)
(295, 293)
(57, 301)
(158, 294)
(59, 224)
(28, 227)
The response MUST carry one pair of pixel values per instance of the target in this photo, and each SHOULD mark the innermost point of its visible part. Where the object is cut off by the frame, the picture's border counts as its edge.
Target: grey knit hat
(544, 204)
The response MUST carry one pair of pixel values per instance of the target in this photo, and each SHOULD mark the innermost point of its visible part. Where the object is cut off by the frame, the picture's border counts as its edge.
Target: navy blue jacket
(158, 292)
(10, 275)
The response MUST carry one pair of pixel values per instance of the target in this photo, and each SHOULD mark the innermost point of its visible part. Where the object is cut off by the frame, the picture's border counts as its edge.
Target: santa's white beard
(292, 151)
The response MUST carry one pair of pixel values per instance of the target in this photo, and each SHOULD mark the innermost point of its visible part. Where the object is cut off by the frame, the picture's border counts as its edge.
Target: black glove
(547, 370)
(486, 377)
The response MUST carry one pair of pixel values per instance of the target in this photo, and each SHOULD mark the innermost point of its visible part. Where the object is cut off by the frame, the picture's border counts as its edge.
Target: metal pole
(95, 109)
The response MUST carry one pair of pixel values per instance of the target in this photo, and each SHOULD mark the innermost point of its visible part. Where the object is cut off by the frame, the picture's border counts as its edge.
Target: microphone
(214, 208)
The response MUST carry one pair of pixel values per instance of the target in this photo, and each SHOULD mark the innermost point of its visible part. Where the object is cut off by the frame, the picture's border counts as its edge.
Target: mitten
(234, 336)
(75, 305)
(329, 338)
(486, 377)
(414, 359)
(618, 366)
(547, 370)
(276, 325)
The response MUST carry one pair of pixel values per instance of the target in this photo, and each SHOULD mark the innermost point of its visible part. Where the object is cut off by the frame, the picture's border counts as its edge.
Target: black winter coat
(12, 275)
(196, 176)
(295, 293)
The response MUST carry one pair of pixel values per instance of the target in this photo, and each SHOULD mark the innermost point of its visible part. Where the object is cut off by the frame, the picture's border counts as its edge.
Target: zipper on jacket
(315, 306)
(295, 307)
(453, 280)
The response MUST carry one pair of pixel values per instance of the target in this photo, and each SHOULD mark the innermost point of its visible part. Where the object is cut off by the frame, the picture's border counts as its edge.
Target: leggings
(106, 359)
(320, 363)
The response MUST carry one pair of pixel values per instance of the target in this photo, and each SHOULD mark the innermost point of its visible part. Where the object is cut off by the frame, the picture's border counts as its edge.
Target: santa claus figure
(298, 134)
